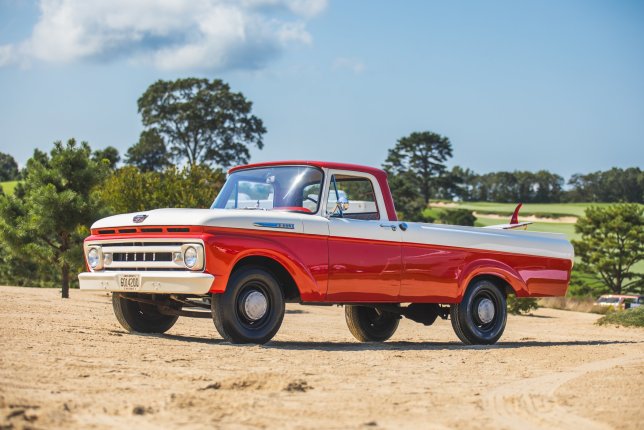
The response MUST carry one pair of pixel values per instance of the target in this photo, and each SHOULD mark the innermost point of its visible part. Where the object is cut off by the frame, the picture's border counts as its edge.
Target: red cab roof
(323, 164)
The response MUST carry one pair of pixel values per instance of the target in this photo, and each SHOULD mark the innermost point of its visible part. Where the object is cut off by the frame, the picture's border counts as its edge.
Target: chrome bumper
(162, 282)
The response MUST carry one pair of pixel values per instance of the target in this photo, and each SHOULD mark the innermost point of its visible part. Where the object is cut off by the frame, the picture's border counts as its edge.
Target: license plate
(129, 282)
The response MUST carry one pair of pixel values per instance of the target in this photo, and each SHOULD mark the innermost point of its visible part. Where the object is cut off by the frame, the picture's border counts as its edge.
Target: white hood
(232, 218)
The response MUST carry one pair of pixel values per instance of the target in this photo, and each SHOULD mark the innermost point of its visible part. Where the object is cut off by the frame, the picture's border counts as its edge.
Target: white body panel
(511, 241)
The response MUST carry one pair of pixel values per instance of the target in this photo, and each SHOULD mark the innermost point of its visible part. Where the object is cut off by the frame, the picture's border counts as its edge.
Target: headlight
(190, 257)
(93, 258)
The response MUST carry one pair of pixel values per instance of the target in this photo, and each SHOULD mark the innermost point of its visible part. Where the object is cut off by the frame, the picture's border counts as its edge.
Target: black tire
(471, 319)
(368, 324)
(231, 315)
(140, 317)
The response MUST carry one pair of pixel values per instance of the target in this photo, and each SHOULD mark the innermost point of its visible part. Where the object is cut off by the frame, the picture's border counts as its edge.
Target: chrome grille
(143, 256)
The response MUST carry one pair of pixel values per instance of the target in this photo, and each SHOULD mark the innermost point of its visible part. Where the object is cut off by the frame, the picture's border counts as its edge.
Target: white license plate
(129, 282)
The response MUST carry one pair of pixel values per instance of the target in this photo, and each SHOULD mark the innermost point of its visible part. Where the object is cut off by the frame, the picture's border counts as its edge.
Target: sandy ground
(68, 364)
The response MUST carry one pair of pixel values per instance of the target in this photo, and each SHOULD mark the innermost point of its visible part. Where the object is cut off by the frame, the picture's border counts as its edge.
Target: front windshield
(292, 188)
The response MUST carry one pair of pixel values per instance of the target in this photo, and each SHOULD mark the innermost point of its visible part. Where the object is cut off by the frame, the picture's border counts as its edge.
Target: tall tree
(202, 121)
(46, 218)
(149, 154)
(612, 241)
(422, 154)
(8, 168)
(109, 154)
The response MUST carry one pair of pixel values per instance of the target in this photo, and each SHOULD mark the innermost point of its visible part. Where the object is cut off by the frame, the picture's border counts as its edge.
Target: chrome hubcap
(255, 305)
(486, 311)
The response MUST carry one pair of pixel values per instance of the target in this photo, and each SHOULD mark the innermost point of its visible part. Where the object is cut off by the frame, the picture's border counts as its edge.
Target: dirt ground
(68, 364)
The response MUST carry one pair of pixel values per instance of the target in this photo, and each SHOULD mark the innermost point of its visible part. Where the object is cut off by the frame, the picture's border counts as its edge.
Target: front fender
(305, 258)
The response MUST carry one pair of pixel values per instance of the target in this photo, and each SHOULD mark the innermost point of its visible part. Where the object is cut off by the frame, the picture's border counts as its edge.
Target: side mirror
(340, 206)
(343, 203)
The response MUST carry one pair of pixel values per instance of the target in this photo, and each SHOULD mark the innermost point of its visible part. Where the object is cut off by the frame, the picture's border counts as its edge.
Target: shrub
(627, 318)
(517, 306)
(457, 217)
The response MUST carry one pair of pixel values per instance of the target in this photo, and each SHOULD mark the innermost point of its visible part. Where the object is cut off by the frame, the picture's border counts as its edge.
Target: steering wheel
(311, 198)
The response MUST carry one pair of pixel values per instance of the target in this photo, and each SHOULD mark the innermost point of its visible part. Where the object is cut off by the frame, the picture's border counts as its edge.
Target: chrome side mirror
(340, 206)
(343, 203)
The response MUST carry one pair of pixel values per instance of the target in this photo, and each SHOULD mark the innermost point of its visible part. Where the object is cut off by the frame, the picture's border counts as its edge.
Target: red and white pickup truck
(315, 233)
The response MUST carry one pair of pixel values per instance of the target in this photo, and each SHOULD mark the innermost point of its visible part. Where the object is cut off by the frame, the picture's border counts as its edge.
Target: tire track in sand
(529, 404)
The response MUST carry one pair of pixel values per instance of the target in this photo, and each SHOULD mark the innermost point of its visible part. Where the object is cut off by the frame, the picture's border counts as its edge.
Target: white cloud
(169, 34)
(352, 64)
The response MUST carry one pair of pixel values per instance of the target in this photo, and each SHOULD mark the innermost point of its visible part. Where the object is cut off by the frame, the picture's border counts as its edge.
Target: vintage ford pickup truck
(315, 233)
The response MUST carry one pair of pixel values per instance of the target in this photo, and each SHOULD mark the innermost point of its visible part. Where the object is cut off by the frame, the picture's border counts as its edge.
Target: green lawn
(551, 227)
(543, 209)
(8, 187)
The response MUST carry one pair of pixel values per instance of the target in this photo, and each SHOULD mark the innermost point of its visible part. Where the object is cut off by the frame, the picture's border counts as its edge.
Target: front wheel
(369, 324)
(140, 317)
(251, 309)
(480, 318)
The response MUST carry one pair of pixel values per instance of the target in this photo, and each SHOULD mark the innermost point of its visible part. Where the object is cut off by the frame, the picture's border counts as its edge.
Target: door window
(360, 194)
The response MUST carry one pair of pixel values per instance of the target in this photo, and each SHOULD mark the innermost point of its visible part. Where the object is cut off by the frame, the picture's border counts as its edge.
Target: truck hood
(232, 218)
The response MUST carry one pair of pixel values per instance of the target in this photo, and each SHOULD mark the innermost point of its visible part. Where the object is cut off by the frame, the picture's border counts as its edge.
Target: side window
(249, 194)
(360, 194)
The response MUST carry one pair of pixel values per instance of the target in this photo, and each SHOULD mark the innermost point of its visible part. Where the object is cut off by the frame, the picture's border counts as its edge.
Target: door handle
(391, 226)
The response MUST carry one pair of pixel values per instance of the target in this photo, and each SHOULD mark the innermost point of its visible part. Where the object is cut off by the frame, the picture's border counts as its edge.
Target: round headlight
(190, 257)
(93, 258)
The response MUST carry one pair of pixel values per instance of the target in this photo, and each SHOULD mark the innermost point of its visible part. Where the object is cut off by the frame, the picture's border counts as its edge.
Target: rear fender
(494, 268)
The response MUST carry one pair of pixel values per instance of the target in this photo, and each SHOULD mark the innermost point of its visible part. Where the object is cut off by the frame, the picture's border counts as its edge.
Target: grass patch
(585, 304)
(548, 227)
(546, 210)
(8, 186)
(627, 318)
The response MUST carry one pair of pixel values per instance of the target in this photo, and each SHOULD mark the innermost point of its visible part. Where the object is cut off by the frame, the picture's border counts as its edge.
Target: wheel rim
(253, 305)
(485, 311)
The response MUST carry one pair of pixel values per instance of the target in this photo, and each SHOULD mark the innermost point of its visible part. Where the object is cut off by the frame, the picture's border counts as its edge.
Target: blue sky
(515, 85)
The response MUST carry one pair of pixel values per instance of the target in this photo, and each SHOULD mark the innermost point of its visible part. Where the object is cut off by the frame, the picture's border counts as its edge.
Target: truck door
(364, 247)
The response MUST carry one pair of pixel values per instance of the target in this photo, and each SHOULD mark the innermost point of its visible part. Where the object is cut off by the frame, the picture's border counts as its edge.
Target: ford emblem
(139, 218)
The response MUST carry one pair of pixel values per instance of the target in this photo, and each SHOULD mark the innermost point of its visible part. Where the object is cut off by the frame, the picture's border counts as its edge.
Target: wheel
(251, 309)
(369, 324)
(480, 317)
(140, 317)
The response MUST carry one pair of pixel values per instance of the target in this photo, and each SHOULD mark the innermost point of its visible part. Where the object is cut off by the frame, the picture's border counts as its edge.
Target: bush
(627, 318)
(130, 190)
(457, 217)
(517, 306)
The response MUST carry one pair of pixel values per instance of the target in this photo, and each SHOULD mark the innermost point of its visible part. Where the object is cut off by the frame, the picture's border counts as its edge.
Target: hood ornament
(139, 218)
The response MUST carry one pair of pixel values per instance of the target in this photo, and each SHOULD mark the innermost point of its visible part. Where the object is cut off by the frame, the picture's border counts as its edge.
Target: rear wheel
(251, 309)
(140, 317)
(481, 316)
(369, 324)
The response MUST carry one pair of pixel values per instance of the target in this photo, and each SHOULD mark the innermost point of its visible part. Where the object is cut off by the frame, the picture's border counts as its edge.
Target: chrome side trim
(283, 225)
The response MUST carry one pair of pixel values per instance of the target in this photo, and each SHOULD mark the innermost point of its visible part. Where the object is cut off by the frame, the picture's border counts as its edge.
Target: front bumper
(162, 282)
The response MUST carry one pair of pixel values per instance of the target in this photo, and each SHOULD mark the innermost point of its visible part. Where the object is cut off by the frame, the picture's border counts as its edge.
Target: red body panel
(353, 270)
(363, 271)
(440, 274)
